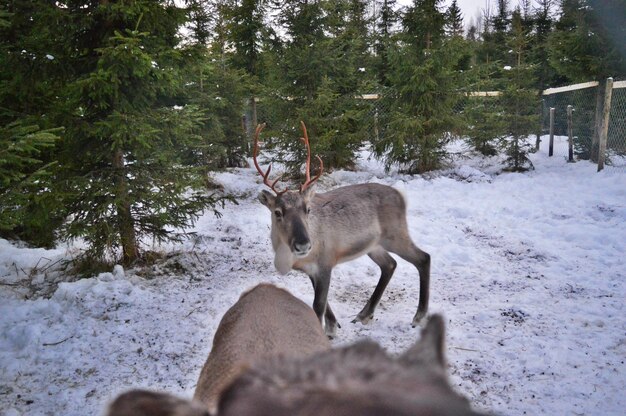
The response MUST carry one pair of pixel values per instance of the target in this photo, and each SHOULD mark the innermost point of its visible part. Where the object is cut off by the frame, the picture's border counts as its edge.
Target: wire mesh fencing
(586, 119)
(376, 120)
(616, 138)
(587, 116)
(583, 102)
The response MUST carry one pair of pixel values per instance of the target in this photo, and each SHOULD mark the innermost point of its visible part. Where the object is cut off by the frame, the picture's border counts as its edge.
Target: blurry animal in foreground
(149, 403)
(357, 380)
(265, 321)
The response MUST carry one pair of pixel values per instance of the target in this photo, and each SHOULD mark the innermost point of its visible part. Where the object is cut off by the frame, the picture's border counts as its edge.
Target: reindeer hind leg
(387, 266)
(404, 247)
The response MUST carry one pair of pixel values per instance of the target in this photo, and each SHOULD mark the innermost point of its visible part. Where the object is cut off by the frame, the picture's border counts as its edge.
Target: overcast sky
(469, 8)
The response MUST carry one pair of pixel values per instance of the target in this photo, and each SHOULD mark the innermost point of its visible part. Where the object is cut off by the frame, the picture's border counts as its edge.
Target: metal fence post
(604, 131)
(570, 135)
(551, 147)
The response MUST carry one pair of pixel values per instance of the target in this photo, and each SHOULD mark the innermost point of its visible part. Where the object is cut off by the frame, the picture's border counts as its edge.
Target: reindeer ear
(308, 194)
(429, 350)
(148, 403)
(267, 199)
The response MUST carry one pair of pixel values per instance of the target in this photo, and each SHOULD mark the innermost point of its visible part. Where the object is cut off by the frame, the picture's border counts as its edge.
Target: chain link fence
(584, 101)
(616, 140)
(378, 113)
(272, 111)
(582, 97)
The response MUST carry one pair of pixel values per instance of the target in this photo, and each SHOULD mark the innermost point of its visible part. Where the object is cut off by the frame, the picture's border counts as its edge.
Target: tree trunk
(125, 223)
(250, 126)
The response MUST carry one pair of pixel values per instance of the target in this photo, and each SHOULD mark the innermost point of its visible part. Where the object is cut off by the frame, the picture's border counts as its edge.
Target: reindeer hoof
(331, 331)
(363, 319)
(417, 318)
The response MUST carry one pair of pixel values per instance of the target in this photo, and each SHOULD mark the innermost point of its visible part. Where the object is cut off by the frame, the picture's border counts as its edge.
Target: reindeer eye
(278, 213)
(308, 210)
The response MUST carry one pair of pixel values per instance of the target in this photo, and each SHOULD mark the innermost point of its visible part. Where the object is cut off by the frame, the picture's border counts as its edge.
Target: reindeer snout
(301, 248)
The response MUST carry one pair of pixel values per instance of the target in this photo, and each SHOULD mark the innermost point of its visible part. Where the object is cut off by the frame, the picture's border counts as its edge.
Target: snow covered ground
(528, 269)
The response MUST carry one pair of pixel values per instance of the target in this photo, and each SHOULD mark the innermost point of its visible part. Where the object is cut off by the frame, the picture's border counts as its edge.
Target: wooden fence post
(540, 132)
(597, 126)
(570, 134)
(551, 147)
(537, 141)
(376, 134)
(604, 131)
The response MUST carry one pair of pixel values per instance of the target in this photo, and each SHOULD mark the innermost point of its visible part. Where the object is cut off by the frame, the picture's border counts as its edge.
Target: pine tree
(544, 25)
(472, 33)
(387, 19)
(201, 21)
(347, 43)
(482, 115)
(323, 65)
(423, 24)
(587, 43)
(127, 130)
(30, 71)
(423, 95)
(245, 24)
(571, 51)
(485, 124)
(519, 99)
(454, 20)
(219, 90)
(588, 40)
(23, 176)
(494, 51)
(218, 82)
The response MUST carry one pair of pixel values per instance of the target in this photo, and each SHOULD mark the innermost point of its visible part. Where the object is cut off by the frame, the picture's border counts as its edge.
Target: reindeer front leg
(321, 283)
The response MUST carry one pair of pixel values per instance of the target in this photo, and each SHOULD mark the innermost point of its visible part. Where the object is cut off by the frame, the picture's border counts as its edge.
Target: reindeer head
(290, 209)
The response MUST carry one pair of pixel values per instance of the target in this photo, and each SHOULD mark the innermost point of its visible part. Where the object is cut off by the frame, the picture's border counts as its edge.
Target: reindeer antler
(308, 182)
(265, 175)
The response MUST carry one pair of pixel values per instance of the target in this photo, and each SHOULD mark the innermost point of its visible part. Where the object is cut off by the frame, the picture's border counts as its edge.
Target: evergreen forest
(114, 113)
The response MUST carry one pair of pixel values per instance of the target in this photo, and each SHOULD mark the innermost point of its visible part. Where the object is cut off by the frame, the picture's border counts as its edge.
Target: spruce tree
(384, 40)
(454, 20)
(245, 24)
(23, 178)
(201, 20)
(425, 79)
(544, 24)
(588, 44)
(31, 73)
(218, 85)
(128, 129)
(519, 99)
(485, 123)
(323, 65)
(493, 51)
